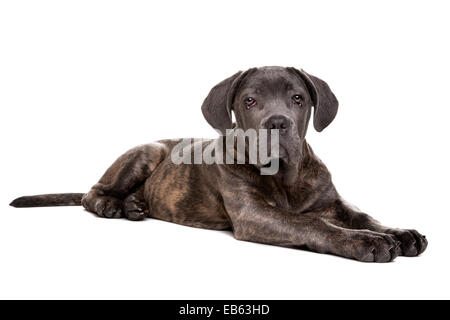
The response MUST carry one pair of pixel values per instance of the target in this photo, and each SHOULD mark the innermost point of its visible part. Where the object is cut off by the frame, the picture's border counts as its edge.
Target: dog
(296, 207)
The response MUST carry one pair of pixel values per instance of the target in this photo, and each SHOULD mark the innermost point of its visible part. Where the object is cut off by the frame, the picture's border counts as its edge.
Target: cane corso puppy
(297, 207)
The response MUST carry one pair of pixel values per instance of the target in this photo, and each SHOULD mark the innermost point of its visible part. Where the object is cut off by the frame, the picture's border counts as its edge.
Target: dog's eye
(250, 102)
(297, 99)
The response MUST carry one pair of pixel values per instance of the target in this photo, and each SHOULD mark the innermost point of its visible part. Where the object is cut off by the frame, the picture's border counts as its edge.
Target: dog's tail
(48, 200)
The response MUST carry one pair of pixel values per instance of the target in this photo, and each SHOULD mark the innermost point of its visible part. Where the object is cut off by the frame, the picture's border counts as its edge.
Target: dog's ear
(218, 104)
(325, 102)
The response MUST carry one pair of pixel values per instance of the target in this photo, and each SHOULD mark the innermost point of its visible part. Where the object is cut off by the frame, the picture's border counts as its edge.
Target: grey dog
(297, 207)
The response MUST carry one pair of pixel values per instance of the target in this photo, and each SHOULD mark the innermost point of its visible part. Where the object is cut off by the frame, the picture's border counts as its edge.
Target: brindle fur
(299, 207)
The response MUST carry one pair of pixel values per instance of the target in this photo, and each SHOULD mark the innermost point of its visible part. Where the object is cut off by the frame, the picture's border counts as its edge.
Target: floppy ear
(325, 102)
(218, 104)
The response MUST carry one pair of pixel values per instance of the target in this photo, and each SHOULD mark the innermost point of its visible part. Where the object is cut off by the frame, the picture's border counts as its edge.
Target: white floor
(68, 253)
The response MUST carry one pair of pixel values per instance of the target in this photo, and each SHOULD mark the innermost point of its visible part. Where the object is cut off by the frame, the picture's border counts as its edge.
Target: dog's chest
(296, 199)
(277, 199)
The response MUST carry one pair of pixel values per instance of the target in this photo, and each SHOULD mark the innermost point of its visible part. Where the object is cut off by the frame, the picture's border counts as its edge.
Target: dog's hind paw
(134, 208)
(103, 206)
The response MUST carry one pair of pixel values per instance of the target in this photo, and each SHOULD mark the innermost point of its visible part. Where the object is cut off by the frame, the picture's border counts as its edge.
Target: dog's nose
(279, 122)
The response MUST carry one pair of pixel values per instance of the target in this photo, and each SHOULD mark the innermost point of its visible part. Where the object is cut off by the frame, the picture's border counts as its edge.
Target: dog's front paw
(412, 242)
(369, 246)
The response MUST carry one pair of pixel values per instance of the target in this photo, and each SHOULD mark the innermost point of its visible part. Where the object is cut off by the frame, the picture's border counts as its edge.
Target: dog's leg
(255, 221)
(119, 191)
(412, 242)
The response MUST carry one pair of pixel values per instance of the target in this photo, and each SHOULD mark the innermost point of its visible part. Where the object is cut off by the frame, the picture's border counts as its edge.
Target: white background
(83, 81)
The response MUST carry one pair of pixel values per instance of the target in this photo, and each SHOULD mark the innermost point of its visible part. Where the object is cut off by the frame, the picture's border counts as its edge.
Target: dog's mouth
(283, 153)
(287, 151)
(267, 150)
(283, 163)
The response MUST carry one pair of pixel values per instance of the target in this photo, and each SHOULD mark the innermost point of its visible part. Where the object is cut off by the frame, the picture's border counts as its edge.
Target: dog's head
(272, 98)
